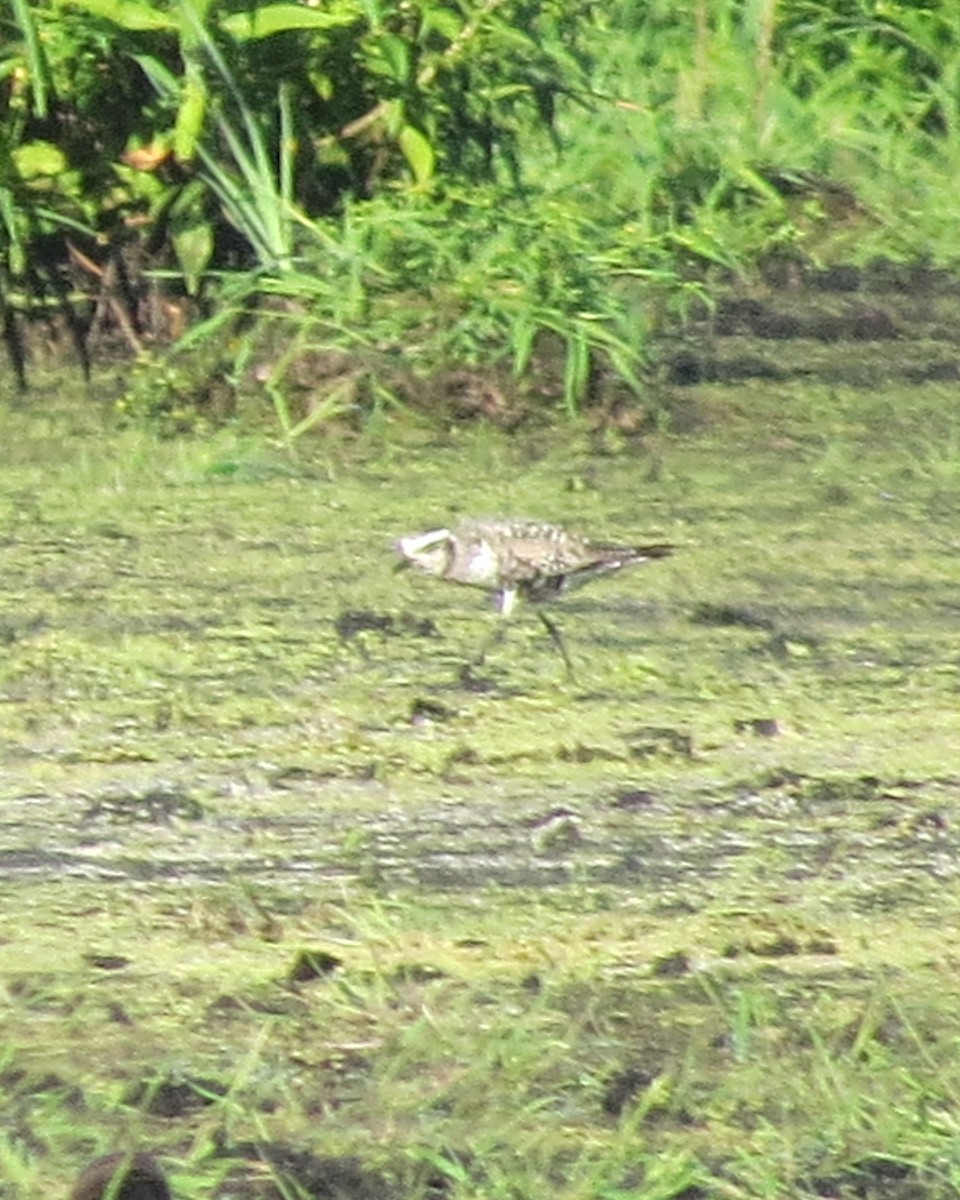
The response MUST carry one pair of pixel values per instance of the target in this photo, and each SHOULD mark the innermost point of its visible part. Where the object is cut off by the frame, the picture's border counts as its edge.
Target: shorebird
(517, 558)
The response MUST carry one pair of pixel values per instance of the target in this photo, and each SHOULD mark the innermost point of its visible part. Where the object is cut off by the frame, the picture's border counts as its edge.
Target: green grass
(604, 936)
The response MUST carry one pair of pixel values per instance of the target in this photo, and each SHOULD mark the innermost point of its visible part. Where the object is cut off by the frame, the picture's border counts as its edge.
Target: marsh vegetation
(484, 209)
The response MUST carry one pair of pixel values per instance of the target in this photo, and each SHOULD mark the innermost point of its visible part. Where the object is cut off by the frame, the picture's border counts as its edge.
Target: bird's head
(429, 552)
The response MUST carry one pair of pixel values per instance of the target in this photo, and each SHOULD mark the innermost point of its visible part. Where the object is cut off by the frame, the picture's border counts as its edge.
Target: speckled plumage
(514, 557)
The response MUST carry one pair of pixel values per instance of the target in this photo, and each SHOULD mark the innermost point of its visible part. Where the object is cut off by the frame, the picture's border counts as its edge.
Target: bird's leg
(493, 639)
(557, 640)
(467, 677)
(506, 599)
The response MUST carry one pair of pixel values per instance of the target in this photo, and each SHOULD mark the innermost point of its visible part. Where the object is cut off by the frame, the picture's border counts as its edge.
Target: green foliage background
(462, 183)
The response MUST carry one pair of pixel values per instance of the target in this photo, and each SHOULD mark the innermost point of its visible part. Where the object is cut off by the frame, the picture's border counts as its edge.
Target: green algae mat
(291, 899)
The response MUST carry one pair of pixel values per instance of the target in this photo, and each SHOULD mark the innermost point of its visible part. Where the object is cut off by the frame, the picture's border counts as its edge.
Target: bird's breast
(476, 563)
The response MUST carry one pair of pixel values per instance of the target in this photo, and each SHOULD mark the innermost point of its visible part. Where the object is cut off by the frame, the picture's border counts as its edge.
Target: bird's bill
(427, 552)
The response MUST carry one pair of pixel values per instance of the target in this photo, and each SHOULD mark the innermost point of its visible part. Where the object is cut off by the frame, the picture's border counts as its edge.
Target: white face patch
(428, 552)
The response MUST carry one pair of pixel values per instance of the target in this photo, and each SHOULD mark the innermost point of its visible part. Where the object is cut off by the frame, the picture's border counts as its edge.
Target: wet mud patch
(155, 805)
(174, 1097)
(351, 623)
(880, 843)
(270, 1170)
(890, 325)
(875, 1177)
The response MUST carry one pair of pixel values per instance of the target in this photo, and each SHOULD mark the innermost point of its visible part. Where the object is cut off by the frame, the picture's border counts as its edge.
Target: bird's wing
(527, 560)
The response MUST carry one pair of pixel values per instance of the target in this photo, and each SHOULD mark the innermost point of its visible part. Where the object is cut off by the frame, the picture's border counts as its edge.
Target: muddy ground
(286, 896)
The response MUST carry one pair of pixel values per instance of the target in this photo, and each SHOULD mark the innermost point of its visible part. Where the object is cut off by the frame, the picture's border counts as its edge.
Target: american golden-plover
(513, 557)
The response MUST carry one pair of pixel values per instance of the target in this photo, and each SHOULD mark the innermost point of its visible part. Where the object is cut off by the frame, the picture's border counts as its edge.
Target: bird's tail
(642, 553)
